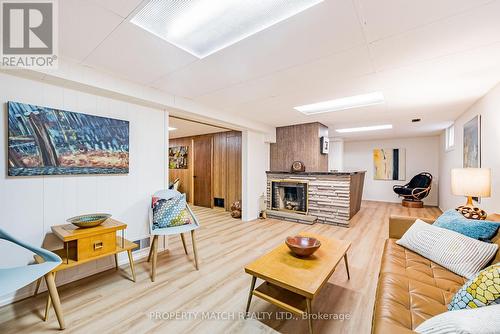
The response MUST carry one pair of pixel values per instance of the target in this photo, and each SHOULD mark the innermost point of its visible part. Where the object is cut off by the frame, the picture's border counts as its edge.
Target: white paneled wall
(489, 109)
(29, 206)
(255, 163)
(422, 155)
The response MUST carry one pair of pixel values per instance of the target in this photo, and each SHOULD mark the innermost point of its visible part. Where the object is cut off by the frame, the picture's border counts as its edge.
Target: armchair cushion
(417, 189)
(401, 190)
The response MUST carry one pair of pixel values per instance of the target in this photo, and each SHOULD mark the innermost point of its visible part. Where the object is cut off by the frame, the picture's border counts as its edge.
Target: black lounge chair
(415, 191)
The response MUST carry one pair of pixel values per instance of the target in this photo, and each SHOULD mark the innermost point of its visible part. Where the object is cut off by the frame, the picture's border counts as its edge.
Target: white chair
(175, 184)
(153, 251)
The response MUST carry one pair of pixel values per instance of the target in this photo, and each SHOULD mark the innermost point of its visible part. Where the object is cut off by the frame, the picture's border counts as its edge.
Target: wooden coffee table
(291, 283)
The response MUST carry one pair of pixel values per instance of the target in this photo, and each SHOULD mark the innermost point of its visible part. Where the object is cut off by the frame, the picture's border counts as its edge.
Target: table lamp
(471, 182)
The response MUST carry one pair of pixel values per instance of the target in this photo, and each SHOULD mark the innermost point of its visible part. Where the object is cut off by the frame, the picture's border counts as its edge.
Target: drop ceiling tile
(136, 55)
(383, 18)
(82, 26)
(459, 33)
(325, 71)
(326, 28)
(309, 92)
(120, 7)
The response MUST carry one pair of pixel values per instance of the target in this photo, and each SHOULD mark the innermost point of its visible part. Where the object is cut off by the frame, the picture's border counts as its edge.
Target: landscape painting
(178, 157)
(472, 143)
(48, 141)
(389, 164)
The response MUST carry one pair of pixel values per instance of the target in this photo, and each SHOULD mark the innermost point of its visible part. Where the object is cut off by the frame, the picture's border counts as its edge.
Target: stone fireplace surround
(289, 195)
(332, 197)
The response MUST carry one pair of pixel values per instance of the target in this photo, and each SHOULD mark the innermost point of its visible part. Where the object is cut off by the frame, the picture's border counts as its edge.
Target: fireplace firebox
(289, 195)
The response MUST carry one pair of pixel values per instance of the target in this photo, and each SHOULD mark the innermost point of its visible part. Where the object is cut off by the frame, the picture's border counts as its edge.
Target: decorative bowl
(302, 246)
(90, 220)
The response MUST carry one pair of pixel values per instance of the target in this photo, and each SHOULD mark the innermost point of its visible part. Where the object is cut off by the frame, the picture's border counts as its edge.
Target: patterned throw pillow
(454, 251)
(170, 212)
(477, 229)
(182, 218)
(482, 290)
(484, 320)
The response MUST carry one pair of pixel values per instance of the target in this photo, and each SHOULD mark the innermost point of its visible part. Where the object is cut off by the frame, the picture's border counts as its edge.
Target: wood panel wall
(226, 168)
(233, 183)
(299, 142)
(219, 170)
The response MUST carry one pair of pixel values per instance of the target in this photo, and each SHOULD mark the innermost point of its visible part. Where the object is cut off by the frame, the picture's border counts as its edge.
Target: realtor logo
(29, 33)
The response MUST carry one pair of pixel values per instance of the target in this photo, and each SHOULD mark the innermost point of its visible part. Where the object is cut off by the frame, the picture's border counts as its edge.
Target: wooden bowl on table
(302, 246)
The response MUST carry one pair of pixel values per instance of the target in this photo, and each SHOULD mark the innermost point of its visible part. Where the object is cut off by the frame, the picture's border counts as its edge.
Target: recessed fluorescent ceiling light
(171, 129)
(342, 104)
(366, 128)
(202, 27)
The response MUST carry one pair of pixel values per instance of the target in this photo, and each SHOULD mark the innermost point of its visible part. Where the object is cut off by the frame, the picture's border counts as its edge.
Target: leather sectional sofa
(411, 289)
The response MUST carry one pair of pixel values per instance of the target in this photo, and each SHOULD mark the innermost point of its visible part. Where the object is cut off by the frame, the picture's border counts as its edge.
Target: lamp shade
(471, 182)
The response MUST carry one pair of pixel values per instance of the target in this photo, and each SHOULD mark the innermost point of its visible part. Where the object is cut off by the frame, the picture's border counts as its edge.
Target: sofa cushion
(407, 303)
(410, 290)
(482, 290)
(401, 261)
(462, 255)
(473, 228)
(484, 320)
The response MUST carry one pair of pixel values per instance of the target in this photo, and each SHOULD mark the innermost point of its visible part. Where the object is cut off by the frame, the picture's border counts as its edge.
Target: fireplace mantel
(318, 173)
(332, 197)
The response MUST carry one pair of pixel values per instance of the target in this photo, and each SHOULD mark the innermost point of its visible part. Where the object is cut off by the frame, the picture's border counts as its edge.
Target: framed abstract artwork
(472, 143)
(178, 157)
(389, 164)
(48, 141)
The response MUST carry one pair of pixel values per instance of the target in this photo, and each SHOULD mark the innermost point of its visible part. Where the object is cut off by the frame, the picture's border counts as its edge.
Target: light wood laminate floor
(108, 303)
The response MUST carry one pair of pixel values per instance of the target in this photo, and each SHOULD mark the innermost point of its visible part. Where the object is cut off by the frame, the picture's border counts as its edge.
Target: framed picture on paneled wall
(49, 141)
(178, 157)
(389, 164)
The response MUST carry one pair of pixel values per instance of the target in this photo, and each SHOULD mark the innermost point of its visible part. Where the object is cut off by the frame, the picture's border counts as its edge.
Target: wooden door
(202, 174)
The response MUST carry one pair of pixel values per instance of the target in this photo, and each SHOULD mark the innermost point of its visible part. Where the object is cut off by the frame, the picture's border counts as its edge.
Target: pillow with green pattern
(182, 218)
(481, 290)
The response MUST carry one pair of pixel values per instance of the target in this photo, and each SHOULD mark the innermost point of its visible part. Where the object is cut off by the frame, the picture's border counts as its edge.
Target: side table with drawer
(82, 245)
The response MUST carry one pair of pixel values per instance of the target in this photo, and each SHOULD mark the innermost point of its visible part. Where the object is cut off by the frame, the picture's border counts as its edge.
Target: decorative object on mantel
(389, 164)
(48, 141)
(90, 220)
(325, 145)
(471, 182)
(236, 209)
(415, 191)
(298, 167)
(302, 246)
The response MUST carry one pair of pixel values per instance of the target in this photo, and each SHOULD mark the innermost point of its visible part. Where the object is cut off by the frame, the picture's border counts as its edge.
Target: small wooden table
(82, 245)
(291, 283)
